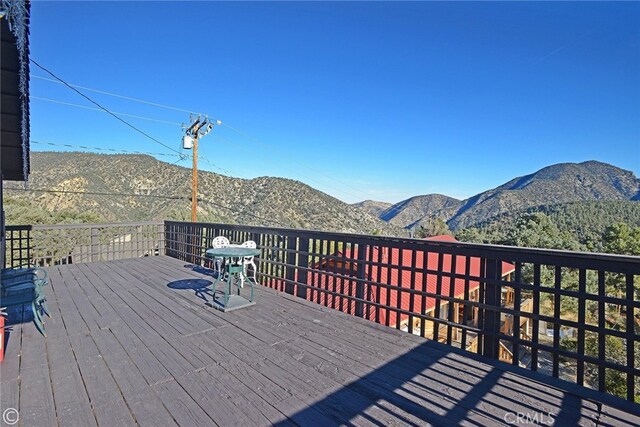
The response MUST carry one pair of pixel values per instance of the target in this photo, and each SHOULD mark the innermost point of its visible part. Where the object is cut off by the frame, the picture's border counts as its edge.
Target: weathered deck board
(131, 342)
(36, 395)
(152, 369)
(72, 403)
(164, 302)
(180, 302)
(156, 320)
(10, 367)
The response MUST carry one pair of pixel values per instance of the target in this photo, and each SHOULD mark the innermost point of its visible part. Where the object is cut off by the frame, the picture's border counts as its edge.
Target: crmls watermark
(529, 418)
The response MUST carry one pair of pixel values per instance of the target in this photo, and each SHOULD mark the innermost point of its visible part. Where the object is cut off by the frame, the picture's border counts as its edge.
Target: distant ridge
(560, 183)
(552, 185)
(372, 207)
(410, 211)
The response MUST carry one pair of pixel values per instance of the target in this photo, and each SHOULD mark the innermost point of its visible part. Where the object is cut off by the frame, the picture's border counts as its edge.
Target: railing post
(191, 241)
(197, 251)
(360, 275)
(290, 269)
(492, 296)
(161, 236)
(95, 245)
(303, 263)
(168, 238)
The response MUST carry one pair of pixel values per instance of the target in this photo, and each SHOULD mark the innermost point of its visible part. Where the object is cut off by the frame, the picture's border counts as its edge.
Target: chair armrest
(24, 280)
(10, 274)
(39, 274)
(14, 285)
(6, 283)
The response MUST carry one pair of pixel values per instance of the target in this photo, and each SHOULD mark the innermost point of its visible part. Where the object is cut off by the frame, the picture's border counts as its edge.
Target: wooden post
(95, 245)
(360, 275)
(491, 315)
(303, 262)
(160, 238)
(194, 181)
(290, 260)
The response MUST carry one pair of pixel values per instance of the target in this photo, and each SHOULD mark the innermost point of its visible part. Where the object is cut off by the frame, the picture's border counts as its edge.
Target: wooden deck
(132, 342)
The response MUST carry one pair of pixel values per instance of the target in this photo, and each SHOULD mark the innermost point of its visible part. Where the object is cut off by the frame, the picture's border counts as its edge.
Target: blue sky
(361, 100)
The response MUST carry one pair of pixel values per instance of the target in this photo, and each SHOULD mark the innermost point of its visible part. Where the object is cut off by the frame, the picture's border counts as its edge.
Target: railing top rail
(588, 260)
(572, 259)
(83, 225)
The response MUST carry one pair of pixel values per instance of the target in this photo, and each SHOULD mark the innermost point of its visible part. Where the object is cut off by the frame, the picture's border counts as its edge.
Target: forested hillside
(575, 226)
(87, 187)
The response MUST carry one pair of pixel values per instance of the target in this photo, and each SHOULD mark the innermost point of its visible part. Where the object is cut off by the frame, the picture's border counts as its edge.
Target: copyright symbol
(10, 416)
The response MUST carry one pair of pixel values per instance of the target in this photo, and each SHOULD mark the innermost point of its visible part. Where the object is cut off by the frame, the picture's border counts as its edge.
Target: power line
(238, 131)
(182, 156)
(205, 159)
(308, 177)
(156, 196)
(97, 193)
(117, 95)
(178, 161)
(101, 107)
(102, 111)
(113, 150)
(274, 148)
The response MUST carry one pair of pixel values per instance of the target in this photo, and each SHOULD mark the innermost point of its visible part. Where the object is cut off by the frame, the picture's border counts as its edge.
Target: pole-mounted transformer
(199, 127)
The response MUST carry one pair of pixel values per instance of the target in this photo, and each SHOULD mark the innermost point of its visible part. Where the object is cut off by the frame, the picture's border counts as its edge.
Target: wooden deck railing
(571, 315)
(574, 315)
(45, 245)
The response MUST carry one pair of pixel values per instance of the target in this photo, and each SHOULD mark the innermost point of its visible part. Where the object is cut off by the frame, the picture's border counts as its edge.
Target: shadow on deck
(132, 342)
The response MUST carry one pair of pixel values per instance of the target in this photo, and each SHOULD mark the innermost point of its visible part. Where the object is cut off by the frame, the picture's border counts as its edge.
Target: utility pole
(199, 127)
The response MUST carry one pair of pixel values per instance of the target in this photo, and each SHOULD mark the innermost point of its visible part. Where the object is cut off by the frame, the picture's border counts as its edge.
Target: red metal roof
(391, 273)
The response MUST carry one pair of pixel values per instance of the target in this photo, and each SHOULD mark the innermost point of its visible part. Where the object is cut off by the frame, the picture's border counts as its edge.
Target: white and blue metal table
(233, 273)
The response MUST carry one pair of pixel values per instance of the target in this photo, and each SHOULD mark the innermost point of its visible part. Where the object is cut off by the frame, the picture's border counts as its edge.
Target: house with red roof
(393, 277)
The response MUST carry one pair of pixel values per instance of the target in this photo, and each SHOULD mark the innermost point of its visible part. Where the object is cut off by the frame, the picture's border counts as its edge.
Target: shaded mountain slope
(372, 207)
(407, 212)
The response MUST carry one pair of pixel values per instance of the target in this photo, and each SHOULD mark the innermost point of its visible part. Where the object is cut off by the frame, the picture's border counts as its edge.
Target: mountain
(140, 187)
(407, 212)
(372, 207)
(552, 185)
(147, 189)
(560, 183)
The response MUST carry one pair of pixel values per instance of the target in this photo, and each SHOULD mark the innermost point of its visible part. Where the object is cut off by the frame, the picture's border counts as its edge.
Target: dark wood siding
(11, 109)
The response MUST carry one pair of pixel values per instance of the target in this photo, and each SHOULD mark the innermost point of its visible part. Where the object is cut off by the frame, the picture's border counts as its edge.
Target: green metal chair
(219, 242)
(37, 275)
(24, 286)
